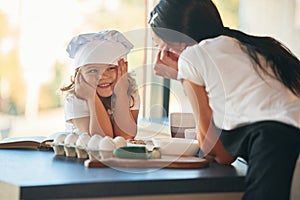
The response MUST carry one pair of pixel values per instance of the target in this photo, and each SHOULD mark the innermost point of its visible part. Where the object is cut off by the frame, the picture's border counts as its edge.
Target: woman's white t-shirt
(237, 94)
(77, 108)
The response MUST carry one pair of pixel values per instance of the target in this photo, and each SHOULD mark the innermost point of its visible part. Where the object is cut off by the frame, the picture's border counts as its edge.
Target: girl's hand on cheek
(166, 64)
(83, 89)
(122, 83)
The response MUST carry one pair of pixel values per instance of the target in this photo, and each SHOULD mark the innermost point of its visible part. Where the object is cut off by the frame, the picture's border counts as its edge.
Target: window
(33, 60)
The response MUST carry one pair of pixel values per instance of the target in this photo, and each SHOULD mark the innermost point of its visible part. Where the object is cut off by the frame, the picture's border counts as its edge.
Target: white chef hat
(105, 47)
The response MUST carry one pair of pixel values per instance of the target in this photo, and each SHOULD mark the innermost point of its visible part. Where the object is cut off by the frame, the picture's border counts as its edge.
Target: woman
(102, 97)
(244, 91)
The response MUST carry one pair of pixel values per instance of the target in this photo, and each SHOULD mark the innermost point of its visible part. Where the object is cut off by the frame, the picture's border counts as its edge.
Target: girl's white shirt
(237, 94)
(77, 108)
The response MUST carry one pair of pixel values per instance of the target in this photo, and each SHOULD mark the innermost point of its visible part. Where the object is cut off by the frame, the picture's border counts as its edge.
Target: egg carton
(93, 148)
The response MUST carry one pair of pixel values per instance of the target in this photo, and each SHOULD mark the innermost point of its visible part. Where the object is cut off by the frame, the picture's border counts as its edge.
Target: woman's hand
(83, 89)
(122, 83)
(166, 64)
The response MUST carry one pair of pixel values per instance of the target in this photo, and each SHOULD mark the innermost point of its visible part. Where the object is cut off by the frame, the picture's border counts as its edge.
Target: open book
(30, 142)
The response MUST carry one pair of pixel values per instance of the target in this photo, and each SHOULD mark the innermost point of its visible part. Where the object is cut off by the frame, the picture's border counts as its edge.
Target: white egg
(107, 144)
(83, 140)
(60, 139)
(71, 139)
(120, 141)
(94, 142)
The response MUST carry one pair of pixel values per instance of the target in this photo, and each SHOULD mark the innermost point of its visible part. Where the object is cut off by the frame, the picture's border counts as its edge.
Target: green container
(131, 152)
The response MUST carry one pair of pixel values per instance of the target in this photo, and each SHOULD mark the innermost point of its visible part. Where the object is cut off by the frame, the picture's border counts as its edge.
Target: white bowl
(177, 146)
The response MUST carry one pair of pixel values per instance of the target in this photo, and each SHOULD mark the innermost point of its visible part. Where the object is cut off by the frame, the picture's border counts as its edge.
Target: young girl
(102, 97)
(244, 91)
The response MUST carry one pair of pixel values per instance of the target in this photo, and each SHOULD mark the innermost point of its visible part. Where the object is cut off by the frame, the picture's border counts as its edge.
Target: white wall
(276, 18)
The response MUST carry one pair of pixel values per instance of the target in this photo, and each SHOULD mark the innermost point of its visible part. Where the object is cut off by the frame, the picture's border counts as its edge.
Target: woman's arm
(206, 135)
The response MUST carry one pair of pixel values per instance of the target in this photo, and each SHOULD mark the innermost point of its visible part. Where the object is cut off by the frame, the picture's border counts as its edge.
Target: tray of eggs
(118, 152)
(94, 147)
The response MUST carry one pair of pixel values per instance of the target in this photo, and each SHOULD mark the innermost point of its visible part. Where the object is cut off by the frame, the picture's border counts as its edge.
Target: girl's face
(102, 76)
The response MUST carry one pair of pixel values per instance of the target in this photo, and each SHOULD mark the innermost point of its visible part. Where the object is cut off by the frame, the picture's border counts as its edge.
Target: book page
(37, 139)
(29, 142)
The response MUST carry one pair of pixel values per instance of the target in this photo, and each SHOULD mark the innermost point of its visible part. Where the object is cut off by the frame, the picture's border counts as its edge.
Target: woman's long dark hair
(200, 19)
